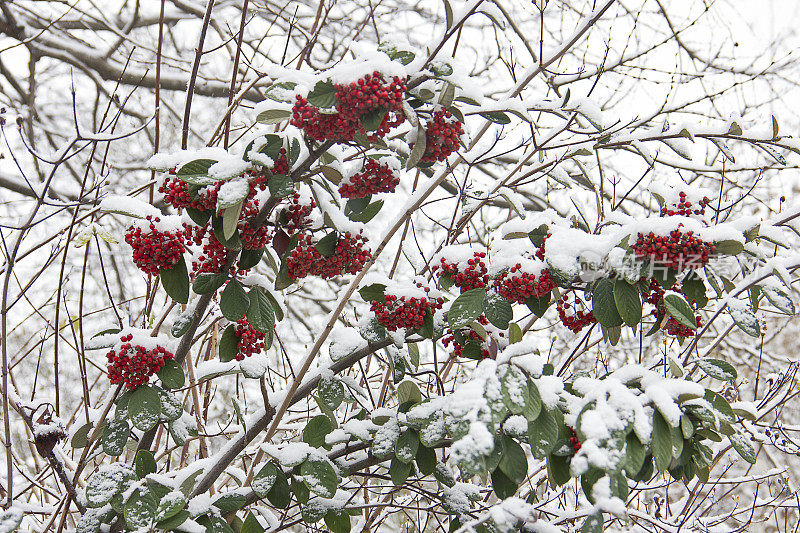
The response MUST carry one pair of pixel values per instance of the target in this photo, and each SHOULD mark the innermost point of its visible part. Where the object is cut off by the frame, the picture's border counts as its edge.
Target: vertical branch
(193, 78)
(234, 73)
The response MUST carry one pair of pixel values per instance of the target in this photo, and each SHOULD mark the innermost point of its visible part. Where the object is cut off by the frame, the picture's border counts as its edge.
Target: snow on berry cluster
(157, 242)
(297, 213)
(133, 362)
(573, 312)
(374, 178)
(406, 311)
(370, 94)
(250, 341)
(442, 136)
(467, 270)
(349, 257)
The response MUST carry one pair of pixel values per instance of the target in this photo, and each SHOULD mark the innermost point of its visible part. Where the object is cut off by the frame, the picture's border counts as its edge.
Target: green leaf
(679, 309)
(729, 247)
(466, 308)
(234, 301)
(320, 476)
(144, 407)
(140, 509)
(399, 471)
(374, 292)
(418, 150)
(198, 217)
(543, 434)
(604, 307)
(426, 460)
(718, 369)
(249, 258)
(206, 283)
(661, 443)
(81, 437)
(337, 522)
(514, 463)
(741, 443)
(502, 485)
(260, 314)
(498, 310)
(514, 333)
(322, 95)
(779, 299)
(406, 446)
(174, 521)
(169, 506)
(372, 119)
(230, 501)
(327, 245)
(273, 116)
(593, 523)
(407, 391)
(171, 375)
(316, 430)
(368, 213)
(196, 168)
(251, 524)
(628, 302)
(695, 289)
(746, 320)
(115, 435)
(228, 344)
(558, 470)
(144, 463)
(538, 306)
(634, 454)
(280, 186)
(265, 479)
(331, 392)
(533, 402)
(230, 219)
(176, 281)
(514, 388)
(498, 117)
(279, 495)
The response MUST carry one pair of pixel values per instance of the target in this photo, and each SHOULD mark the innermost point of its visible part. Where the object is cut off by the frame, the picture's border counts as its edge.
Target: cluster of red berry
(155, 250)
(684, 207)
(676, 329)
(297, 213)
(580, 318)
(349, 257)
(574, 441)
(374, 178)
(176, 194)
(252, 239)
(401, 312)
(678, 250)
(369, 94)
(442, 135)
(212, 259)
(517, 286)
(251, 341)
(133, 364)
(474, 276)
(654, 295)
(259, 179)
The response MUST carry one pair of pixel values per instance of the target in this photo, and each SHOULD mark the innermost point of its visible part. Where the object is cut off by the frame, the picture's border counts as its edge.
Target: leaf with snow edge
(420, 145)
(265, 479)
(498, 310)
(230, 502)
(322, 95)
(399, 471)
(695, 289)
(406, 446)
(140, 509)
(169, 505)
(175, 281)
(331, 392)
(466, 308)
(779, 299)
(228, 344)
(604, 308)
(280, 186)
(196, 172)
(315, 431)
(533, 402)
(81, 437)
(679, 309)
(171, 374)
(745, 319)
(718, 369)
(230, 219)
(661, 442)
(273, 116)
(279, 495)
(407, 391)
(628, 302)
(543, 434)
(498, 117)
(320, 477)
(115, 435)
(413, 354)
(513, 386)
(234, 301)
(107, 482)
(206, 283)
(741, 443)
(433, 430)
(144, 407)
(367, 213)
(326, 246)
(634, 454)
(593, 523)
